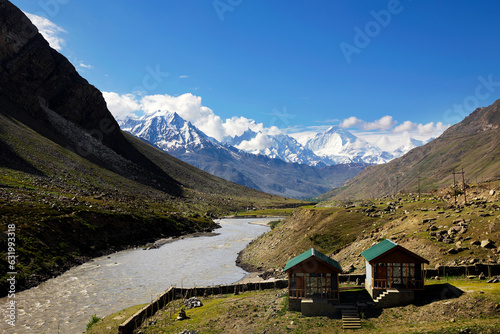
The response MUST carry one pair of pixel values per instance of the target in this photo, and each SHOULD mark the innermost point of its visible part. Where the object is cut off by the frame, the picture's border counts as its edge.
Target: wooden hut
(313, 275)
(390, 266)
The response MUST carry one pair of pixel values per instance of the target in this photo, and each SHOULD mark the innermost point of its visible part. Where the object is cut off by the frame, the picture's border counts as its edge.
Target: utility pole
(463, 186)
(418, 186)
(397, 183)
(454, 190)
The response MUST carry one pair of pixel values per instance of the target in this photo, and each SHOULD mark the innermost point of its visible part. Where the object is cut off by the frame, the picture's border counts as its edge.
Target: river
(66, 303)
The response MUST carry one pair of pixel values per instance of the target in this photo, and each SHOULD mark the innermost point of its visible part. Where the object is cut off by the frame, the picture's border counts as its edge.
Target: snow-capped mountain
(276, 146)
(399, 148)
(169, 132)
(337, 145)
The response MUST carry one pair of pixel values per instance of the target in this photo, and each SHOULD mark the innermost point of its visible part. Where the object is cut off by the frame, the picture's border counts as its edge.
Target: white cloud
(236, 126)
(82, 65)
(183, 76)
(49, 30)
(260, 142)
(406, 126)
(431, 129)
(351, 122)
(383, 123)
(121, 106)
(189, 107)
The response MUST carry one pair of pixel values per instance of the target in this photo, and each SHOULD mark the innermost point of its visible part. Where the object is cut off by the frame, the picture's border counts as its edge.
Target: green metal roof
(309, 253)
(378, 249)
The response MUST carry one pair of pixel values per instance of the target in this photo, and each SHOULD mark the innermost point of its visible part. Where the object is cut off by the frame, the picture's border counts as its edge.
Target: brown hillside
(473, 144)
(431, 227)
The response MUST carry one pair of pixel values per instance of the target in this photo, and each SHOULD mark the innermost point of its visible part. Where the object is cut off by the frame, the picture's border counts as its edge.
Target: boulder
(452, 251)
(182, 315)
(487, 244)
(481, 276)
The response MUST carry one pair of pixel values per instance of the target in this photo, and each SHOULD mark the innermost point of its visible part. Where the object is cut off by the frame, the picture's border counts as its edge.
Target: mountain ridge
(257, 171)
(472, 145)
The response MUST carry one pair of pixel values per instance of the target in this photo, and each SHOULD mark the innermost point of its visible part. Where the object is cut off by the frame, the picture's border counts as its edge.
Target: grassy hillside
(346, 229)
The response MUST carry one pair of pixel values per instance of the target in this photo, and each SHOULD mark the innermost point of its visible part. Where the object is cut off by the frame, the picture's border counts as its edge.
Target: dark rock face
(35, 76)
(42, 89)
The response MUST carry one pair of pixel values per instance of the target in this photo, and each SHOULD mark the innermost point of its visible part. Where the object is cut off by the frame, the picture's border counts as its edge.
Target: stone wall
(396, 298)
(319, 307)
(476, 269)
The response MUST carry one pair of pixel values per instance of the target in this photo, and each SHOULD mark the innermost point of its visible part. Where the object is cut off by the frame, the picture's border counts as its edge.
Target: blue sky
(373, 67)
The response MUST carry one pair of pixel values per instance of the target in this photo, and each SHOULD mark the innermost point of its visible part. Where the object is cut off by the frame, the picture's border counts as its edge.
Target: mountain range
(330, 147)
(282, 165)
(172, 134)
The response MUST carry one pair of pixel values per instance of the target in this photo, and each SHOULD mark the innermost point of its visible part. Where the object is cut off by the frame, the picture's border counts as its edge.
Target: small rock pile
(193, 302)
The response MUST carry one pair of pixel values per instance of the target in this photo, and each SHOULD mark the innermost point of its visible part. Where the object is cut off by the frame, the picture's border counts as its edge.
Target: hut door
(382, 275)
(301, 286)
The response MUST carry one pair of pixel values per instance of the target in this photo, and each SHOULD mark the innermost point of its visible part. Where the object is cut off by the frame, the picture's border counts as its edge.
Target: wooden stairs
(350, 319)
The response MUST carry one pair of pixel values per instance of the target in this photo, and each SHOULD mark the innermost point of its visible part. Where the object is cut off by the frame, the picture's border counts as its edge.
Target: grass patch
(110, 323)
(282, 212)
(478, 288)
(273, 224)
(94, 320)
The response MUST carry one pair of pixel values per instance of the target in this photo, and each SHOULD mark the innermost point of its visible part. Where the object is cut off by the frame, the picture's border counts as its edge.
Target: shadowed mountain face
(40, 89)
(472, 145)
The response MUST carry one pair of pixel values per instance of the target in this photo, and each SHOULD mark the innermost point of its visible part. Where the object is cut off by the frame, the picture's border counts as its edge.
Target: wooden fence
(135, 321)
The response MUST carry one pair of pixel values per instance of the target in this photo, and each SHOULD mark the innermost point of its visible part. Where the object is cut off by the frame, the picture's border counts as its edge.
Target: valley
(78, 184)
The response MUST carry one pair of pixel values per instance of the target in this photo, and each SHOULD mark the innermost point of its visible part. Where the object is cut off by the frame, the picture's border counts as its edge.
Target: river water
(66, 303)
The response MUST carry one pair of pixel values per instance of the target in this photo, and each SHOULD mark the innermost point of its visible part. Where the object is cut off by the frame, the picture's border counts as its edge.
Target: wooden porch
(312, 285)
(398, 275)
